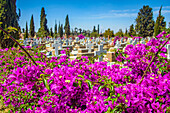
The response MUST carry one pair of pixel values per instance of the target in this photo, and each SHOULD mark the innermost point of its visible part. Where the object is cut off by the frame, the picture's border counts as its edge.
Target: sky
(84, 14)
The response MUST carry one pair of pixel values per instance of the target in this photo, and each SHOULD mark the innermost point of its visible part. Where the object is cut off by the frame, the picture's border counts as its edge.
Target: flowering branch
(19, 45)
(152, 61)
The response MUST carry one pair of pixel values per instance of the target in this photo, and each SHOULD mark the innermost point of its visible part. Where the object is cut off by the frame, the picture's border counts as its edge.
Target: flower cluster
(61, 85)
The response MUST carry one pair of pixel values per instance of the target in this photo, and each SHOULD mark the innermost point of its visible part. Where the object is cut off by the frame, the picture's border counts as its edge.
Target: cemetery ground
(97, 75)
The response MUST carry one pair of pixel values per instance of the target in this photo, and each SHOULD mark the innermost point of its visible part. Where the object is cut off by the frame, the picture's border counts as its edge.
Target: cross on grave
(89, 46)
(61, 43)
(121, 40)
(168, 55)
(37, 41)
(56, 45)
(104, 39)
(100, 48)
(77, 39)
(135, 42)
(131, 41)
(66, 42)
(25, 43)
(40, 40)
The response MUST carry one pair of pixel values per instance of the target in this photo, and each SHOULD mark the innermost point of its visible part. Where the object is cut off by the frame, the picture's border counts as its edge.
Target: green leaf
(46, 83)
(81, 76)
(89, 84)
(100, 87)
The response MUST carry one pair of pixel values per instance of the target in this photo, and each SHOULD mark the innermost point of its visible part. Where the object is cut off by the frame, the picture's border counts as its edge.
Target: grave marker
(100, 48)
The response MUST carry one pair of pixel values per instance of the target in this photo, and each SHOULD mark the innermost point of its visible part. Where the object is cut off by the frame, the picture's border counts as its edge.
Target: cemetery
(74, 72)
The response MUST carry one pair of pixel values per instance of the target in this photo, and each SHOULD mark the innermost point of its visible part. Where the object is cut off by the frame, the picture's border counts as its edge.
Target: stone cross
(77, 39)
(67, 42)
(168, 55)
(121, 40)
(135, 42)
(104, 39)
(37, 41)
(40, 40)
(70, 42)
(131, 40)
(100, 48)
(56, 45)
(117, 44)
(89, 46)
(25, 43)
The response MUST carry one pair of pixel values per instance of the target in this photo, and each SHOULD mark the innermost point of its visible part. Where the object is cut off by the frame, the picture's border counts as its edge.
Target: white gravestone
(56, 45)
(100, 48)
(168, 56)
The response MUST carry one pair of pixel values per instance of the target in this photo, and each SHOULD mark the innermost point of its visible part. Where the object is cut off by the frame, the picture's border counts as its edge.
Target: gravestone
(56, 45)
(25, 43)
(67, 42)
(168, 55)
(100, 50)
(89, 46)
(134, 42)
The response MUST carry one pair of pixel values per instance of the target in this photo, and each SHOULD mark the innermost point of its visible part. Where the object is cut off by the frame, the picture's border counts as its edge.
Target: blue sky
(113, 14)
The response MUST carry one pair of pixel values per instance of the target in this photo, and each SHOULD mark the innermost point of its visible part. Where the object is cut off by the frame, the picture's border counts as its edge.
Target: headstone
(56, 49)
(121, 40)
(89, 46)
(77, 39)
(25, 43)
(40, 40)
(67, 42)
(168, 55)
(104, 39)
(100, 48)
(135, 42)
(70, 41)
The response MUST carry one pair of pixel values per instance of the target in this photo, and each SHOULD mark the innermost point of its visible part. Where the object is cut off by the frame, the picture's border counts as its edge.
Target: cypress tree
(51, 32)
(67, 27)
(94, 29)
(32, 28)
(144, 22)
(132, 30)
(98, 29)
(43, 30)
(160, 23)
(126, 32)
(55, 29)
(26, 31)
(59, 28)
(8, 17)
(80, 30)
(61, 31)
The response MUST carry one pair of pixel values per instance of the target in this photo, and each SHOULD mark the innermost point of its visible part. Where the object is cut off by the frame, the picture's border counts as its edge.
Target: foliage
(144, 22)
(98, 29)
(94, 34)
(81, 85)
(51, 32)
(32, 27)
(108, 33)
(43, 30)
(26, 31)
(119, 33)
(94, 29)
(132, 31)
(60, 30)
(160, 24)
(8, 17)
(67, 27)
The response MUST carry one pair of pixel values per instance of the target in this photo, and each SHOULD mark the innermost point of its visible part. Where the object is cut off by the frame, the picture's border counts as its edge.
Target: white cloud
(126, 10)
(162, 12)
(163, 7)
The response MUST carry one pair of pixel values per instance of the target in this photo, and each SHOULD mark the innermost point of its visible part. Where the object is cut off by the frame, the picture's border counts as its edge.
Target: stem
(152, 61)
(19, 45)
